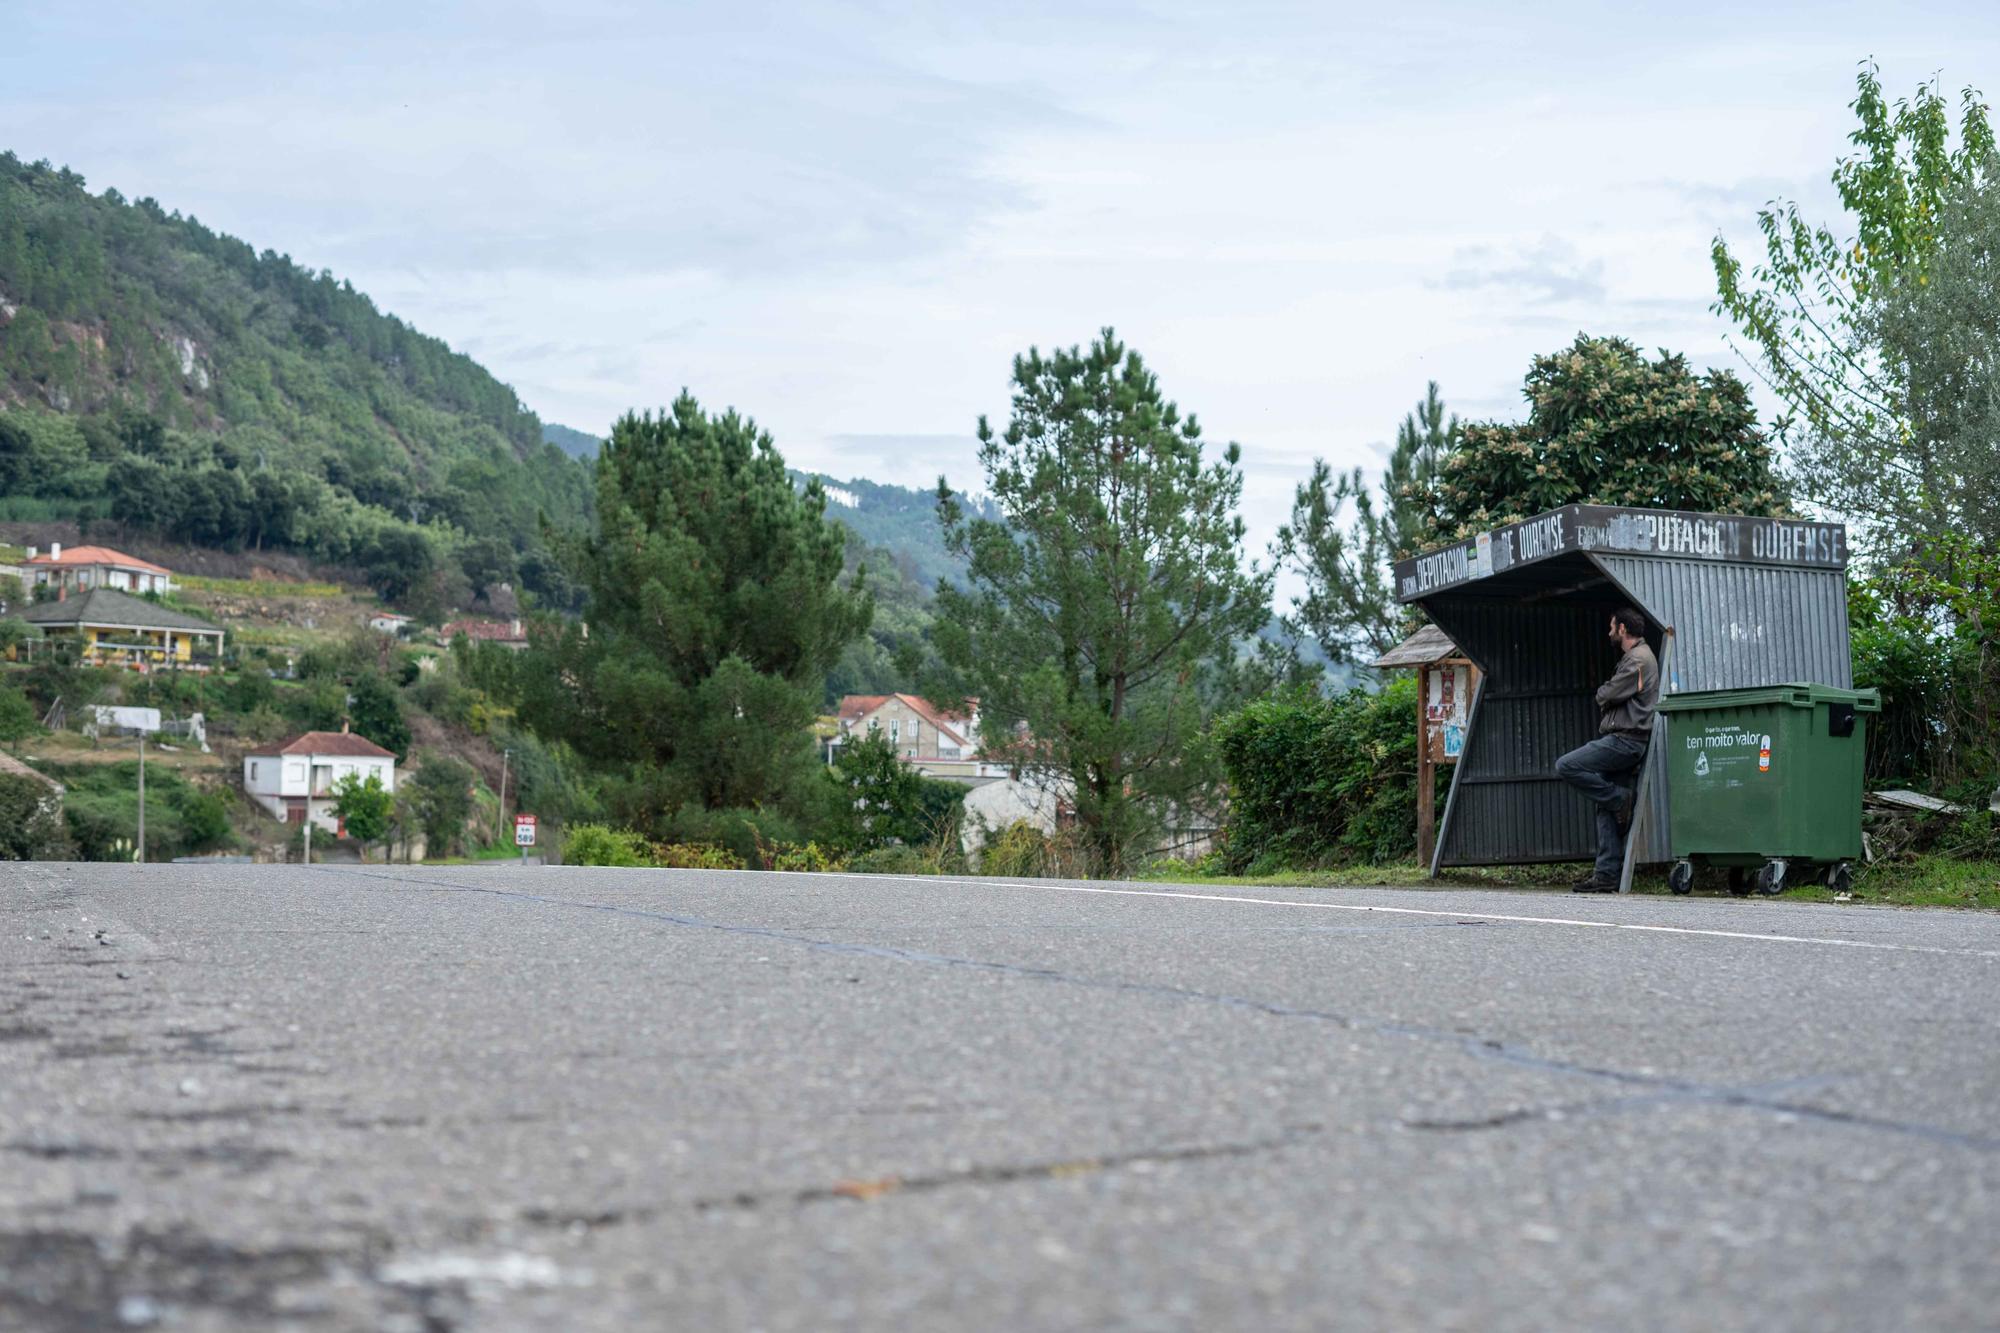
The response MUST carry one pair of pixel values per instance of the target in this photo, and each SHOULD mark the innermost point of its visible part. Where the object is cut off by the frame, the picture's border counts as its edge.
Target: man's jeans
(1589, 769)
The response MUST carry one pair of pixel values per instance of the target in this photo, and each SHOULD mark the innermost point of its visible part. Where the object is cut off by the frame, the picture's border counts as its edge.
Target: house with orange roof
(80, 568)
(942, 744)
(509, 634)
(295, 780)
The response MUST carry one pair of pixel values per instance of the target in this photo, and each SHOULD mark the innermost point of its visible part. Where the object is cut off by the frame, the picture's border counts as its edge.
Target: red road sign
(524, 830)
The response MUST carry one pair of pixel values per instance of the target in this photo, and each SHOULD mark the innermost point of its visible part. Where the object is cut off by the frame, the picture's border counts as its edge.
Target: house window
(915, 728)
(895, 733)
(253, 770)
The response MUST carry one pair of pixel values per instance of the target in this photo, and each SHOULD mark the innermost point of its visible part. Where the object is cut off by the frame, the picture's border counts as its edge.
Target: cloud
(661, 142)
(905, 460)
(1546, 272)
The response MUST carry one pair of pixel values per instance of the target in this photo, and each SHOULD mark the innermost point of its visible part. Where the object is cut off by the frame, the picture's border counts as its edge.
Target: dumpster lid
(1799, 694)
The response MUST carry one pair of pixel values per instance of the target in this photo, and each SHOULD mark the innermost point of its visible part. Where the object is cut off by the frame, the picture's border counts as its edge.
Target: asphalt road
(371, 1097)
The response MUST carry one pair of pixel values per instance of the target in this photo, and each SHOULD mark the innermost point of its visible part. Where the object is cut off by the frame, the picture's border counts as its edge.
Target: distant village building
(389, 622)
(924, 736)
(295, 780)
(83, 567)
(510, 634)
(119, 630)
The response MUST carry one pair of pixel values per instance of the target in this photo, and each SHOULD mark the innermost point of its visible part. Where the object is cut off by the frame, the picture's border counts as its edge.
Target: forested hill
(900, 521)
(159, 375)
(575, 443)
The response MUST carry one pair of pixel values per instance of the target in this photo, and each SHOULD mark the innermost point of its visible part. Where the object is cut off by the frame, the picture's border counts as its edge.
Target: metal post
(1426, 774)
(309, 817)
(142, 798)
(505, 755)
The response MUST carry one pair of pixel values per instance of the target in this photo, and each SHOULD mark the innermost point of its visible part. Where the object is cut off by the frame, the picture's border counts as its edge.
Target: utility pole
(142, 798)
(309, 831)
(505, 755)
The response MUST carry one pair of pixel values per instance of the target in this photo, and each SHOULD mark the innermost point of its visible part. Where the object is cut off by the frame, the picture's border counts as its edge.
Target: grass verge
(1927, 881)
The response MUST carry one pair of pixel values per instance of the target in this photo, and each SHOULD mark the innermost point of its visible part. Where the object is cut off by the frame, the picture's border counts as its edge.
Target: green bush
(811, 858)
(101, 810)
(890, 861)
(1321, 781)
(31, 825)
(1019, 850)
(440, 798)
(601, 845)
(320, 705)
(17, 715)
(695, 856)
(205, 820)
(753, 836)
(548, 778)
(876, 799)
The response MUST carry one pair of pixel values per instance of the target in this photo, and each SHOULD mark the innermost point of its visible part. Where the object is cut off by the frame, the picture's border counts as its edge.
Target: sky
(846, 220)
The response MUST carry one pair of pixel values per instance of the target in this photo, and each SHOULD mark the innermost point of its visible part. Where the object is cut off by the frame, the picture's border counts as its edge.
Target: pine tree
(1108, 598)
(716, 607)
(1349, 604)
(1424, 440)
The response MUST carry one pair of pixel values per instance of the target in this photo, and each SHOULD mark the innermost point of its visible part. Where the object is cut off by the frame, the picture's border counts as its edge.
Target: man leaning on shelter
(1626, 704)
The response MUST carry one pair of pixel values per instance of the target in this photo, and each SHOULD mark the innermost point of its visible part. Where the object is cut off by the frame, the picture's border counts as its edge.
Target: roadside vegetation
(694, 607)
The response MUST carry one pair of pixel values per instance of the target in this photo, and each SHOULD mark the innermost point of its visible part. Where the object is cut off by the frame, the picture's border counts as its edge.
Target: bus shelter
(1733, 602)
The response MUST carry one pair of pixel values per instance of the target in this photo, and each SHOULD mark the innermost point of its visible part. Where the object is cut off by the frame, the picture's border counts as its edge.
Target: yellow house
(114, 628)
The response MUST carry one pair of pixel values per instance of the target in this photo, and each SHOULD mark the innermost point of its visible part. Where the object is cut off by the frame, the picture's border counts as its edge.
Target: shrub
(1322, 781)
(1020, 849)
(31, 825)
(440, 795)
(378, 713)
(601, 845)
(17, 715)
(754, 836)
(811, 858)
(101, 812)
(878, 799)
(695, 856)
(891, 861)
(547, 778)
(205, 820)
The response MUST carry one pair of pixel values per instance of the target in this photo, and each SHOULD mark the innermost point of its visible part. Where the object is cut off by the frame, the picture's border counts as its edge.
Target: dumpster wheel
(1771, 878)
(1840, 877)
(1681, 878)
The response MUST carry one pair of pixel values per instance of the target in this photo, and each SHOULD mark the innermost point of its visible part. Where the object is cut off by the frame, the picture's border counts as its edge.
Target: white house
(389, 622)
(295, 780)
(84, 567)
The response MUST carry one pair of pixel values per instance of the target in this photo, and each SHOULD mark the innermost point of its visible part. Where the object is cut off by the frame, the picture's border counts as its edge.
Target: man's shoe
(1595, 885)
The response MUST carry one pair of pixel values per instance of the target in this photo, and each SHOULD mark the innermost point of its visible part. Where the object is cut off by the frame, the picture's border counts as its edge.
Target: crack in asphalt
(1481, 1048)
(862, 1190)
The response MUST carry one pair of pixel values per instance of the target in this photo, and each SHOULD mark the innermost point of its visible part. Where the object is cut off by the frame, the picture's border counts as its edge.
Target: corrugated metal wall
(1735, 626)
(1543, 662)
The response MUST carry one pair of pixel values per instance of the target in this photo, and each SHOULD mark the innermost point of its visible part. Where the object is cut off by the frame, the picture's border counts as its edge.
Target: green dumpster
(1767, 777)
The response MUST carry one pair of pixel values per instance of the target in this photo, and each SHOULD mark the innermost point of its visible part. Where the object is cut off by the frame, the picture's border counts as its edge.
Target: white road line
(1429, 912)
